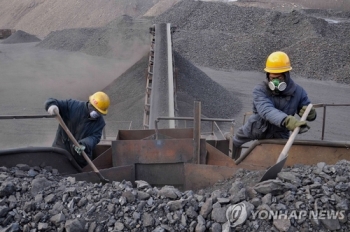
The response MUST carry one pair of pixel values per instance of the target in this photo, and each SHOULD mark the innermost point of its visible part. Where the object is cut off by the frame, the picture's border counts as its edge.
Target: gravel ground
(299, 199)
(223, 36)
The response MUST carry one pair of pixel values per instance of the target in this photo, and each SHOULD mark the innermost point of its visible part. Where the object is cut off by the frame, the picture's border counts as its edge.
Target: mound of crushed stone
(301, 198)
(20, 37)
(42, 17)
(128, 93)
(224, 36)
(193, 84)
(67, 39)
(122, 39)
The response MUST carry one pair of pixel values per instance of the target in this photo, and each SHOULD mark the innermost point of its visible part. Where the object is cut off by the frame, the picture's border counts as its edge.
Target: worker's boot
(236, 152)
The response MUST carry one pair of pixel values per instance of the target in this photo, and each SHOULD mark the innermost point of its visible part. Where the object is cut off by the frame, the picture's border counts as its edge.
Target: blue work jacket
(270, 109)
(86, 131)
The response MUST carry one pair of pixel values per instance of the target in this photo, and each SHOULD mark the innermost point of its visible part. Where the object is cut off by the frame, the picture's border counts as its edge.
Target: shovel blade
(272, 172)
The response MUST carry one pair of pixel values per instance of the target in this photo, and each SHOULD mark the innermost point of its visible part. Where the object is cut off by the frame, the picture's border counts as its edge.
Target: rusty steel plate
(198, 176)
(216, 157)
(266, 153)
(102, 161)
(221, 145)
(161, 174)
(142, 134)
(183, 176)
(102, 147)
(112, 174)
(134, 134)
(126, 152)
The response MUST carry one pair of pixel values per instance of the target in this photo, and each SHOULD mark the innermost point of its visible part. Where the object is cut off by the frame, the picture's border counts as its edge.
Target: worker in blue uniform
(275, 102)
(83, 119)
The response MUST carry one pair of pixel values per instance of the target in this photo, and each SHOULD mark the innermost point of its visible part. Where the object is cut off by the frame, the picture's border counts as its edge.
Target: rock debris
(301, 198)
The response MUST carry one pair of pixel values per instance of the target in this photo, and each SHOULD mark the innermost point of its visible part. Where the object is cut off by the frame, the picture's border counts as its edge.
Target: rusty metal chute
(57, 158)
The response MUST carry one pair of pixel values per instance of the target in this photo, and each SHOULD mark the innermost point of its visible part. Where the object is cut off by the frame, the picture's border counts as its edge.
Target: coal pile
(122, 39)
(39, 199)
(225, 36)
(193, 84)
(20, 37)
(128, 93)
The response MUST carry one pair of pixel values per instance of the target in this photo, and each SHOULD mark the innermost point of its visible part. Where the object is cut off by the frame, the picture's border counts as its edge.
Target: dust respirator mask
(275, 84)
(94, 114)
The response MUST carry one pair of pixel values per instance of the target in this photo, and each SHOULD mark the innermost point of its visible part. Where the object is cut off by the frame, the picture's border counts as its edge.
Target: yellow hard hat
(100, 101)
(277, 62)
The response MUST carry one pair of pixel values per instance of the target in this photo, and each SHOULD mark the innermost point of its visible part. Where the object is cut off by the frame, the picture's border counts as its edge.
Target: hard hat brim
(277, 70)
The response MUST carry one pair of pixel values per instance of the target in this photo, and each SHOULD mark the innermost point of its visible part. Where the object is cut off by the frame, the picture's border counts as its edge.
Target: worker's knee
(240, 138)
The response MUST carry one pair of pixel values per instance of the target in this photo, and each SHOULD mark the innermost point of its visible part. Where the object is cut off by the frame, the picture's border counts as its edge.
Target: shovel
(275, 169)
(63, 125)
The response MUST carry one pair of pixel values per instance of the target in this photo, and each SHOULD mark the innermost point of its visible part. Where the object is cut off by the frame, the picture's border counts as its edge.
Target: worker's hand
(51, 110)
(79, 149)
(228, 135)
(291, 123)
(312, 113)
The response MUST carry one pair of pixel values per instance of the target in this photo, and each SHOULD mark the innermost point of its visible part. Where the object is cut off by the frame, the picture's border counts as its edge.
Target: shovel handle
(293, 135)
(63, 125)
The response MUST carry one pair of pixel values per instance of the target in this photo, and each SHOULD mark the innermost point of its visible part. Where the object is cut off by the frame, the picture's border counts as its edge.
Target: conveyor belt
(160, 87)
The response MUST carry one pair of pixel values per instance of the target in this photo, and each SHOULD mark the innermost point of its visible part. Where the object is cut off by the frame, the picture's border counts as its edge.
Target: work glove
(312, 113)
(51, 110)
(228, 135)
(291, 123)
(79, 149)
